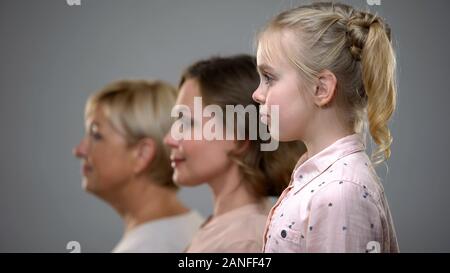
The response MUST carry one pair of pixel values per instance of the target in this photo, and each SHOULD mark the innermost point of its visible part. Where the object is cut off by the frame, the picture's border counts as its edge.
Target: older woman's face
(105, 155)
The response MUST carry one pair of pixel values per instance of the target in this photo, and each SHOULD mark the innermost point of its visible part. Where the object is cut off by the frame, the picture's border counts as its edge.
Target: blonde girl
(331, 70)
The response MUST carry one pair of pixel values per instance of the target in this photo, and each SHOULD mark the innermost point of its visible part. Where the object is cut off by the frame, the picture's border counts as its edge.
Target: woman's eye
(186, 121)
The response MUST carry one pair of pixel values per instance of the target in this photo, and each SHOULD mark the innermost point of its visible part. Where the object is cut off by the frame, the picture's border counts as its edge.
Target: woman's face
(197, 161)
(106, 157)
(280, 85)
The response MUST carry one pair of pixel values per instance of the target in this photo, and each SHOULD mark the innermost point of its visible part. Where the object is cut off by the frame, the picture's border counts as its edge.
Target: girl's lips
(263, 110)
(264, 118)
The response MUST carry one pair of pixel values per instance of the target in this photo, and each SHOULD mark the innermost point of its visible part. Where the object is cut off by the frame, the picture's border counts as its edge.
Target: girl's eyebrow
(265, 67)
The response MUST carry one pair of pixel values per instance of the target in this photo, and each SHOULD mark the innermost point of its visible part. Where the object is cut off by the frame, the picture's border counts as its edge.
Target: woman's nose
(170, 141)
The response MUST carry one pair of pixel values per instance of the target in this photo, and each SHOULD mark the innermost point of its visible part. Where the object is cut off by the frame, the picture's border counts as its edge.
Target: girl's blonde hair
(356, 47)
(139, 109)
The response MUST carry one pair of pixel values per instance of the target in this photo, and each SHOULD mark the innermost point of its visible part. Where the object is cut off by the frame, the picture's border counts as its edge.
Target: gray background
(52, 56)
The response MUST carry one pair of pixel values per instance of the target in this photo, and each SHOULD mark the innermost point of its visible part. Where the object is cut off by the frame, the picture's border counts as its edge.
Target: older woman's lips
(85, 169)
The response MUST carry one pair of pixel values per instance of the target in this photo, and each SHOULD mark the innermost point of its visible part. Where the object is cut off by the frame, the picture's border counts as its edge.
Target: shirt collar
(307, 169)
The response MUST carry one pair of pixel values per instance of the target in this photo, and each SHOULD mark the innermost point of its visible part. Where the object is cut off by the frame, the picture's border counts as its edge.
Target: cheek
(110, 165)
(273, 98)
(204, 160)
(293, 114)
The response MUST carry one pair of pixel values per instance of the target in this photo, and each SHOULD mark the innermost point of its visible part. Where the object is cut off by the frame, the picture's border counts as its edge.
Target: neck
(229, 192)
(142, 201)
(326, 129)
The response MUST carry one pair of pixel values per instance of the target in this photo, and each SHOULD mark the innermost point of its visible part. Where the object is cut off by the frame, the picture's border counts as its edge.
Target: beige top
(239, 230)
(165, 235)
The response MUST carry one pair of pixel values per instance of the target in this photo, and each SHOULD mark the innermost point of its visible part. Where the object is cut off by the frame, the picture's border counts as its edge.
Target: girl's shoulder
(351, 175)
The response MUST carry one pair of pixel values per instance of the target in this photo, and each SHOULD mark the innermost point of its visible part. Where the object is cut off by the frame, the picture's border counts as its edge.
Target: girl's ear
(144, 153)
(325, 89)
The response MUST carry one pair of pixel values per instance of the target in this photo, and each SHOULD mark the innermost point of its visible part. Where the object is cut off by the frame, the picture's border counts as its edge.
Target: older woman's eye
(96, 135)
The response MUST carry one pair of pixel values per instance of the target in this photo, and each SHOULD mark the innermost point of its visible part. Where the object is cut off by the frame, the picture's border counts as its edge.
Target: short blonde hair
(356, 47)
(139, 109)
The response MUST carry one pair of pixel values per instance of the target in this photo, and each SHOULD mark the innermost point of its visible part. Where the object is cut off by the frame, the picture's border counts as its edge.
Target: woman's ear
(145, 151)
(241, 147)
(325, 89)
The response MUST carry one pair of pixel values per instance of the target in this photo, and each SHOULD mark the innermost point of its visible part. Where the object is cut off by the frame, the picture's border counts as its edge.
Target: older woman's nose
(79, 151)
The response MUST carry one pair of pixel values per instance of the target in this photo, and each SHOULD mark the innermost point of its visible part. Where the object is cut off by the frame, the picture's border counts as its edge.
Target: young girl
(240, 175)
(126, 164)
(330, 68)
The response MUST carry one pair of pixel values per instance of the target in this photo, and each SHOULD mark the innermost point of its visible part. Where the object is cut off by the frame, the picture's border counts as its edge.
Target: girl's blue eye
(267, 79)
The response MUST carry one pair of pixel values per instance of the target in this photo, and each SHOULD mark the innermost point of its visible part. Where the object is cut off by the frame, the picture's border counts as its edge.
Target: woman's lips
(176, 161)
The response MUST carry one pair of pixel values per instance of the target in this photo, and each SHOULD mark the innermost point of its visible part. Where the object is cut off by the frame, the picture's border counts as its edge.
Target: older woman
(125, 163)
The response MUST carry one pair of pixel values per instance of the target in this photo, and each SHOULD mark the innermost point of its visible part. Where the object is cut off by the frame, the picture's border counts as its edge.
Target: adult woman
(239, 173)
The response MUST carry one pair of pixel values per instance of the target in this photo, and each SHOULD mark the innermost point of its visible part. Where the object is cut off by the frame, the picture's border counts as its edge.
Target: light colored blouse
(239, 230)
(166, 235)
(334, 203)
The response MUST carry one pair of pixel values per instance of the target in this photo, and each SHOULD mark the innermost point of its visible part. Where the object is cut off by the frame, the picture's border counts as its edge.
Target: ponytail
(378, 74)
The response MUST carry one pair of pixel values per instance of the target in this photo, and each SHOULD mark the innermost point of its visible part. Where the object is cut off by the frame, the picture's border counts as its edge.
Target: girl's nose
(259, 96)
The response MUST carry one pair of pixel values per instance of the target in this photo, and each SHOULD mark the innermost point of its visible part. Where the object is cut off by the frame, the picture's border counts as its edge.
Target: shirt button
(283, 233)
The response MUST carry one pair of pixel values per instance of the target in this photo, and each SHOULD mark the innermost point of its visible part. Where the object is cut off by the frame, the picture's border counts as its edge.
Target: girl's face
(280, 85)
(197, 161)
(106, 157)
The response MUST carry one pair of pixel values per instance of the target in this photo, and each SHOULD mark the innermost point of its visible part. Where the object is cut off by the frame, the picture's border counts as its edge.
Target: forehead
(97, 117)
(272, 49)
(188, 91)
